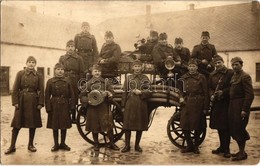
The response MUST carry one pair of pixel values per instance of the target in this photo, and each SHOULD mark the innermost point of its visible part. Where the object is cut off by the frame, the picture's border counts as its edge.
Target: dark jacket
(220, 79)
(196, 99)
(111, 53)
(28, 92)
(136, 112)
(241, 97)
(59, 100)
(184, 54)
(99, 118)
(207, 52)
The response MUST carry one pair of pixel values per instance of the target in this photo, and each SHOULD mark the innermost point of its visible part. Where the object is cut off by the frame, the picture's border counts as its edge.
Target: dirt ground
(157, 148)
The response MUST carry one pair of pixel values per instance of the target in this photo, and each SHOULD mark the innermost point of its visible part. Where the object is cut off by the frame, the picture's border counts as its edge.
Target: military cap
(205, 33)
(70, 42)
(178, 40)
(85, 24)
(31, 58)
(95, 67)
(217, 58)
(109, 34)
(58, 65)
(153, 33)
(163, 36)
(236, 59)
(193, 61)
(137, 62)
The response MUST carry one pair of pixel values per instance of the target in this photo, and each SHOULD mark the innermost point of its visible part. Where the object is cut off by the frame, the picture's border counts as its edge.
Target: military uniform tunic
(28, 92)
(241, 97)
(111, 53)
(219, 110)
(136, 111)
(195, 93)
(99, 118)
(86, 47)
(184, 54)
(59, 100)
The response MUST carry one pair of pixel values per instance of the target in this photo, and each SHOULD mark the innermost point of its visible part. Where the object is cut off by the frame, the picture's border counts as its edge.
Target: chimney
(148, 16)
(192, 6)
(33, 8)
(255, 7)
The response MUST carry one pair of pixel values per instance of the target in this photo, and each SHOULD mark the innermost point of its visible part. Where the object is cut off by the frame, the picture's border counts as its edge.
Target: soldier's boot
(63, 138)
(127, 142)
(220, 149)
(137, 141)
(96, 143)
(12, 148)
(112, 145)
(190, 146)
(196, 143)
(56, 141)
(226, 140)
(241, 155)
(31, 138)
(73, 116)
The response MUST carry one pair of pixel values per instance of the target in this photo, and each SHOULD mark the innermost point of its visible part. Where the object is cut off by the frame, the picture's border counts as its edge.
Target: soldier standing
(28, 99)
(109, 57)
(195, 103)
(219, 84)
(241, 97)
(74, 70)
(184, 54)
(161, 52)
(204, 53)
(134, 105)
(86, 46)
(59, 100)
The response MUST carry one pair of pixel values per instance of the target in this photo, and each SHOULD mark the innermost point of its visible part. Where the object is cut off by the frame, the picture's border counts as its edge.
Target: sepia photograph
(130, 82)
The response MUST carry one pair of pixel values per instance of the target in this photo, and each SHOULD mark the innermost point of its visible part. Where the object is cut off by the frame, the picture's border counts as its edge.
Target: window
(257, 73)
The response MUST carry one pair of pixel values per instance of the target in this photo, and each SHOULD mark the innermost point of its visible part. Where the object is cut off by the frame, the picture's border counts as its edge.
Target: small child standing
(59, 101)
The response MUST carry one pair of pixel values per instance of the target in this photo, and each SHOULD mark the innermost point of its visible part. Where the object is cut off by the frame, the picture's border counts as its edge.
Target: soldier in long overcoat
(134, 105)
(241, 97)
(204, 53)
(28, 99)
(99, 117)
(219, 84)
(86, 46)
(74, 70)
(109, 56)
(161, 52)
(195, 102)
(59, 100)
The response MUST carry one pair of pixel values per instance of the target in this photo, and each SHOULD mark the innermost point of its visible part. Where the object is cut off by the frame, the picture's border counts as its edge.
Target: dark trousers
(224, 139)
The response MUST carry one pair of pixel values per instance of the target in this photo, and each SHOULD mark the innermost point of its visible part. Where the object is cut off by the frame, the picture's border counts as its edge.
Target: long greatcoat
(28, 92)
(136, 112)
(59, 100)
(219, 109)
(241, 97)
(195, 93)
(99, 118)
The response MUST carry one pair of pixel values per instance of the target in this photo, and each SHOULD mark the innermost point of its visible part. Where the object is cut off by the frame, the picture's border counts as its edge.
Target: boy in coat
(28, 99)
(59, 101)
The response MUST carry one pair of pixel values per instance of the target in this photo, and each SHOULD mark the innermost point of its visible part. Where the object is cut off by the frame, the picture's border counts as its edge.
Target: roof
(231, 27)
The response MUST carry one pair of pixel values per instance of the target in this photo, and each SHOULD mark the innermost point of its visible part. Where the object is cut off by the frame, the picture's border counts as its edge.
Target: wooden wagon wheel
(176, 134)
(103, 138)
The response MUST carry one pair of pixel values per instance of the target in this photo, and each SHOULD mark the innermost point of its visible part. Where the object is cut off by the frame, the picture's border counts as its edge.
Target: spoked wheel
(176, 134)
(87, 135)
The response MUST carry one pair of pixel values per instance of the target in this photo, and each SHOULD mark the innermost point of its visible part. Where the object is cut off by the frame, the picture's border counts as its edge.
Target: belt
(60, 96)
(195, 95)
(84, 51)
(29, 90)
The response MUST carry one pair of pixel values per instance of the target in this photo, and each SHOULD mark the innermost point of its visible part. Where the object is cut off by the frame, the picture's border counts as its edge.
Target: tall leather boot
(127, 141)
(196, 143)
(96, 143)
(220, 149)
(12, 148)
(137, 141)
(56, 141)
(241, 155)
(63, 138)
(112, 145)
(187, 137)
(31, 138)
(226, 143)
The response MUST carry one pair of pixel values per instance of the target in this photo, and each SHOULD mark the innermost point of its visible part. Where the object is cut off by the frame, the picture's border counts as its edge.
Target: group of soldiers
(208, 85)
